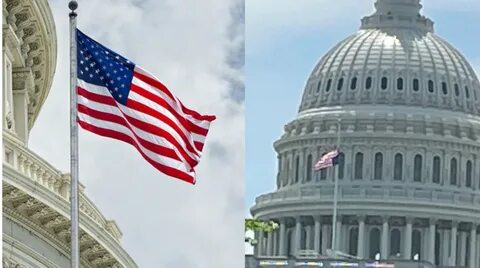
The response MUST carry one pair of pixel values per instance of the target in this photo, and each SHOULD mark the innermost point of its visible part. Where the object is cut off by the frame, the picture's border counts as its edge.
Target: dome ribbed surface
(406, 64)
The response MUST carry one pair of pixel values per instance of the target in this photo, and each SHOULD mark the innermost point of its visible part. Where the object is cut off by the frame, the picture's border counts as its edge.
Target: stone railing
(382, 192)
(38, 171)
(33, 167)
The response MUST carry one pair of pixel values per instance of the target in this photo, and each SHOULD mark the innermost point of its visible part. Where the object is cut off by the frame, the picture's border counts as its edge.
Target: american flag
(118, 99)
(327, 160)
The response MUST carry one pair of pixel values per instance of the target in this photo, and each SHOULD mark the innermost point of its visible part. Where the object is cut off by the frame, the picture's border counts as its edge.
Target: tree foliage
(257, 225)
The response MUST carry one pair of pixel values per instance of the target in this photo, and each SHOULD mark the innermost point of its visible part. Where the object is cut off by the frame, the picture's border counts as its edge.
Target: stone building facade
(406, 103)
(36, 207)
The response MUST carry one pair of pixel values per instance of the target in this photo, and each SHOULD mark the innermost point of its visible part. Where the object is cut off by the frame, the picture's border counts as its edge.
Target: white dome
(395, 58)
(401, 104)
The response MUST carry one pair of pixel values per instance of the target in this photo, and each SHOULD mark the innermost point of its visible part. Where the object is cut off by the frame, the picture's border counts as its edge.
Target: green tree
(257, 225)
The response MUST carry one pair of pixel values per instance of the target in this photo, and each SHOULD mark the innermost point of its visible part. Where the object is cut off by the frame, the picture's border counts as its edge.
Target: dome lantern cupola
(391, 14)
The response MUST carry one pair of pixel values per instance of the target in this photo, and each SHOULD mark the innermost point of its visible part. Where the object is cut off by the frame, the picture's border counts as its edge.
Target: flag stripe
(105, 103)
(201, 128)
(188, 177)
(151, 80)
(326, 160)
(165, 112)
(132, 103)
(140, 135)
(103, 96)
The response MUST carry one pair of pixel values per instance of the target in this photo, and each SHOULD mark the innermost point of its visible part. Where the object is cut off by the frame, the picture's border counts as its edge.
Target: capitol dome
(396, 59)
(405, 103)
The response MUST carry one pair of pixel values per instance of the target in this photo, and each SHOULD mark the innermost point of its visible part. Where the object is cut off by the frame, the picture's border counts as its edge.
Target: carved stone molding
(33, 35)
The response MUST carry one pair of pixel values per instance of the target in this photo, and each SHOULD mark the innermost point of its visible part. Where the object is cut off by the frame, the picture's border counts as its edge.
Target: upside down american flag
(120, 100)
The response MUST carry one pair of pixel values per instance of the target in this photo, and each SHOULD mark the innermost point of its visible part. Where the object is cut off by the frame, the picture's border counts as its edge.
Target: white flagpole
(74, 219)
(335, 191)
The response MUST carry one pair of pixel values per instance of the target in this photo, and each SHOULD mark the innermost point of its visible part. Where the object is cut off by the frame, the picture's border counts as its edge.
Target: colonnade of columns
(440, 242)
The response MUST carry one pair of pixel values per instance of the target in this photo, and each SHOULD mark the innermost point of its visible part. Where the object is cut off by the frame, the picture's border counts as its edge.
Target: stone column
(308, 237)
(298, 234)
(361, 237)
(270, 244)
(473, 245)
(317, 230)
(431, 241)
(445, 248)
(282, 244)
(261, 249)
(453, 244)
(407, 251)
(275, 243)
(478, 249)
(20, 100)
(463, 248)
(338, 238)
(384, 244)
(256, 247)
(325, 238)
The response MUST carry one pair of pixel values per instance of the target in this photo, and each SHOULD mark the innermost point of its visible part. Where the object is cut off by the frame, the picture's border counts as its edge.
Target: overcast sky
(196, 49)
(284, 41)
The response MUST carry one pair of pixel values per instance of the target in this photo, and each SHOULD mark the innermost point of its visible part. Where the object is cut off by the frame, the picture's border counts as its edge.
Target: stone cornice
(378, 139)
(32, 176)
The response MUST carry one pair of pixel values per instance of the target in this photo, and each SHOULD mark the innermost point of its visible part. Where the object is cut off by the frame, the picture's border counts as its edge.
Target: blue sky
(286, 38)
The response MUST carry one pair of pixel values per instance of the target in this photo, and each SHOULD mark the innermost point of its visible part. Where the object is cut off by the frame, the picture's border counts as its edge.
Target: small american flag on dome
(327, 160)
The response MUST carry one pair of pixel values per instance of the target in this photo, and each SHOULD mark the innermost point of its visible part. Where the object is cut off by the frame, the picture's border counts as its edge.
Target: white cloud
(187, 44)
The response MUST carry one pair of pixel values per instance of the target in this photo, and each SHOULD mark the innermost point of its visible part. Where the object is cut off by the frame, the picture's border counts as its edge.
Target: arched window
(436, 170)
(297, 169)
(319, 85)
(467, 93)
(340, 84)
(359, 166)
(395, 241)
(329, 84)
(444, 88)
(353, 241)
(417, 244)
(384, 83)
(368, 83)
(398, 167)
(416, 85)
(468, 174)
(341, 165)
(323, 174)
(374, 243)
(400, 83)
(378, 166)
(309, 167)
(417, 168)
(353, 84)
(457, 90)
(430, 86)
(453, 171)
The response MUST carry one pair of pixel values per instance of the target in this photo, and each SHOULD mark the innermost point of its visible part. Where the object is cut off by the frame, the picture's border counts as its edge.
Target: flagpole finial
(72, 5)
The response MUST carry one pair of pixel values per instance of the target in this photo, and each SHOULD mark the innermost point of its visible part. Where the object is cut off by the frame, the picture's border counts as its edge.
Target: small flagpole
(335, 191)
(74, 219)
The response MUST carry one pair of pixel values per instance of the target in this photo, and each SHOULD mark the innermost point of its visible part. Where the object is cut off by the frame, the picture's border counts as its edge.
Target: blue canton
(100, 66)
